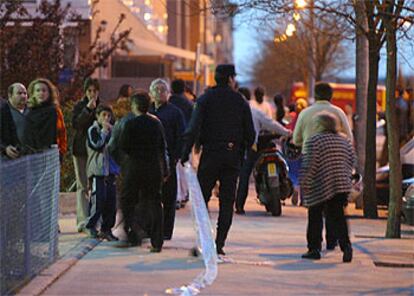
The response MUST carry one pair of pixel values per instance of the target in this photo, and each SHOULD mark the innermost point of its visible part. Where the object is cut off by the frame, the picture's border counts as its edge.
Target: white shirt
(264, 107)
(262, 122)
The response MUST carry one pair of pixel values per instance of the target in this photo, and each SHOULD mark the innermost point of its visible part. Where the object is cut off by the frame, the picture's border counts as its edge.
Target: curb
(49, 275)
(393, 264)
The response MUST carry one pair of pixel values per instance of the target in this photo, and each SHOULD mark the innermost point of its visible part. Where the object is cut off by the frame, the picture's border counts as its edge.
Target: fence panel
(29, 192)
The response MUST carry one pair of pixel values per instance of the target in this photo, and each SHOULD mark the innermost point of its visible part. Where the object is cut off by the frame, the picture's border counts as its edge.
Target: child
(101, 171)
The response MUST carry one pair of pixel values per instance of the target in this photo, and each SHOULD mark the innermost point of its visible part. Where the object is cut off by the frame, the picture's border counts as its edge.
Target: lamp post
(311, 57)
(300, 5)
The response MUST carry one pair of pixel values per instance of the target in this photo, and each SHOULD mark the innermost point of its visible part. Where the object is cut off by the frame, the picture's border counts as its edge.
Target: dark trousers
(245, 172)
(223, 166)
(169, 200)
(102, 202)
(140, 202)
(335, 213)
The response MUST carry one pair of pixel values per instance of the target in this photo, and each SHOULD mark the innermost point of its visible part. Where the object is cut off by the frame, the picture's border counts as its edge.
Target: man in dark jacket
(172, 120)
(222, 121)
(145, 167)
(83, 116)
(178, 99)
(12, 121)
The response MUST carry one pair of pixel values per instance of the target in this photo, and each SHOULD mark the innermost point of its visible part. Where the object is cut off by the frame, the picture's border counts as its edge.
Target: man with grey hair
(173, 122)
(12, 121)
(325, 180)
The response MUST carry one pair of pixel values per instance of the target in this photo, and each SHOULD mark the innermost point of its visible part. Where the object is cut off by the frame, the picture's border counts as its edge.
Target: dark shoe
(347, 257)
(240, 212)
(220, 251)
(133, 239)
(91, 232)
(195, 252)
(155, 250)
(331, 246)
(312, 255)
(108, 235)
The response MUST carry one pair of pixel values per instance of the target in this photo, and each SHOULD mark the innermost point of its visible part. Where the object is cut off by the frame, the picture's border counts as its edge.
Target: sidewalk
(263, 258)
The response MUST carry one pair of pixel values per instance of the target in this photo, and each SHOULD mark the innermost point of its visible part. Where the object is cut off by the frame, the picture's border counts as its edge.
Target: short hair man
(304, 127)
(144, 144)
(178, 99)
(12, 121)
(222, 121)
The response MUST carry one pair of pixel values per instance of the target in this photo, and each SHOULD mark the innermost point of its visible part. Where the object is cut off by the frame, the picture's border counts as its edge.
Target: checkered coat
(326, 168)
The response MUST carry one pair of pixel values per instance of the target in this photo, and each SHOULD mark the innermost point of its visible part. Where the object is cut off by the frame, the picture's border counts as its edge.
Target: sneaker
(312, 255)
(108, 235)
(347, 257)
(91, 232)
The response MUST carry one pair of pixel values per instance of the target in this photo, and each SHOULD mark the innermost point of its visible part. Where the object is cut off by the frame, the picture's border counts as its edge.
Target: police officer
(222, 122)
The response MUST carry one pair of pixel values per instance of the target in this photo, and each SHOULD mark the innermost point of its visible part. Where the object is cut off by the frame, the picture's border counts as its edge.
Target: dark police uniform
(222, 122)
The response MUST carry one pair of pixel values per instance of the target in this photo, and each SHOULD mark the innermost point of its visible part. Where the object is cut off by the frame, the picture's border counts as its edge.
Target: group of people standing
(145, 145)
(31, 120)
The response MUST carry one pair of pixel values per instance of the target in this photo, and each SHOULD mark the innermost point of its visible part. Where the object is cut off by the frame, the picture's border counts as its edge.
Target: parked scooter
(271, 176)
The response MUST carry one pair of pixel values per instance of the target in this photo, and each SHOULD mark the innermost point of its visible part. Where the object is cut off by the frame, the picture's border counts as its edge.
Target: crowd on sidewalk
(143, 141)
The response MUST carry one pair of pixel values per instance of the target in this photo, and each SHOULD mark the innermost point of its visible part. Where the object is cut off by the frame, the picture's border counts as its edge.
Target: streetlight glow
(300, 4)
(296, 16)
(290, 29)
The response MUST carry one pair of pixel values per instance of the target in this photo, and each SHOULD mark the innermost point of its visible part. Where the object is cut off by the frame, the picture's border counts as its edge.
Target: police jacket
(82, 119)
(221, 120)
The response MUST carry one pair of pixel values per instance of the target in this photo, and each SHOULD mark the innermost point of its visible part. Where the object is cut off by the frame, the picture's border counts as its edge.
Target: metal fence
(29, 191)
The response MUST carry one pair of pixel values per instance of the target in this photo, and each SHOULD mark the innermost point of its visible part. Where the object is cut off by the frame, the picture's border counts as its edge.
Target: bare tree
(391, 10)
(361, 69)
(381, 17)
(285, 61)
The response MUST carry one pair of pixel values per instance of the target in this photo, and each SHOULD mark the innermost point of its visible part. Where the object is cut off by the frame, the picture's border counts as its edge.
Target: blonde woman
(45, 124)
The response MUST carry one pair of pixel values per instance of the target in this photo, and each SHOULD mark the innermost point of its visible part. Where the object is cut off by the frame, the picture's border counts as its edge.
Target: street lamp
(290, 29)
(300, 4)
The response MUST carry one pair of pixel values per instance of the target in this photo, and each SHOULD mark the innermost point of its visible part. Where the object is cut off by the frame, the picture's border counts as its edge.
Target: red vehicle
(343, 94)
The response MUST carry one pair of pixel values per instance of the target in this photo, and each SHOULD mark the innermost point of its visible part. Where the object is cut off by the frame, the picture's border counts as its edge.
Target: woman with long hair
(45, 124)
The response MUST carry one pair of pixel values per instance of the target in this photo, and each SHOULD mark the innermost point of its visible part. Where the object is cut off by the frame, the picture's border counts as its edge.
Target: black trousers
(140, 201)
(223, 166)
(169, 200)
(246, 171)
(102, 202)
(335, 214)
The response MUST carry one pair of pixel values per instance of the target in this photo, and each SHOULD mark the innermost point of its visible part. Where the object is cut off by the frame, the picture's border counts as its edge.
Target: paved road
(264, 254)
